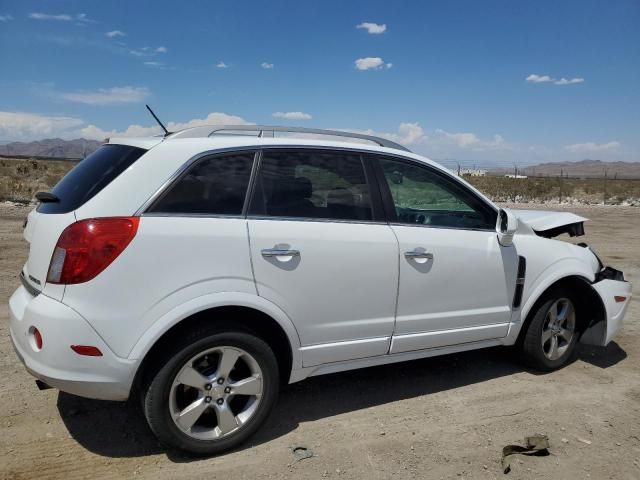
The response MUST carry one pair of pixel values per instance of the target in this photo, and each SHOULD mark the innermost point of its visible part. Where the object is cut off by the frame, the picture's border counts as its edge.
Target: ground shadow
(601, 357)
(115, 429)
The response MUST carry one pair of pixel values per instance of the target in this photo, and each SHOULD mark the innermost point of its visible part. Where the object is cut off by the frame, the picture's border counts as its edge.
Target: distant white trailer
(473, 172)
(511, 175)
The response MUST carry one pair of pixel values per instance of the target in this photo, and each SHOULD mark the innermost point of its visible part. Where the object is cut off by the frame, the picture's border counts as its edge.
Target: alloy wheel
(215, 393)
(558, 328)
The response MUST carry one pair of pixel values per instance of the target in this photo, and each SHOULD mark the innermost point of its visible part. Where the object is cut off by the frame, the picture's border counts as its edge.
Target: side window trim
(184, 170)
(378, 214)
(387, 198)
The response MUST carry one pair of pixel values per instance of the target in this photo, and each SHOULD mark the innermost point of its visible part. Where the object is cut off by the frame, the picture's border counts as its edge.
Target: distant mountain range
(51, 147)
(583, 168)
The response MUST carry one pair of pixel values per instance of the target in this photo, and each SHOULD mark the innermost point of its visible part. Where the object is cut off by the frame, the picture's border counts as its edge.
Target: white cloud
(292, 115)
(564, 81)
(80, 18)
(534, 78)
(106, 96)
(221, 64)
(5, 18)
(373, 28)
(154, 64)
(147, 51)
(45, 16)
(592, 147)
(468, 140)
(214, 118)
(267, 66)
(371, 63)
(407, 134)
(115, 33)
(32, 126)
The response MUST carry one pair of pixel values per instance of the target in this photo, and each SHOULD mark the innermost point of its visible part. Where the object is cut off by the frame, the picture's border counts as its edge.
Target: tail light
(87, 247)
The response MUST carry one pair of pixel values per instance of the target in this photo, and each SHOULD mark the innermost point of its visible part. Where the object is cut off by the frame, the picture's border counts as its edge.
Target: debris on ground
(301, 453)
(583, 440)
(536, 445)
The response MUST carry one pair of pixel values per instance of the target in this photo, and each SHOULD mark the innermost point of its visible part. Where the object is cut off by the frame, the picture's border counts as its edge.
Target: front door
(322, 252)
(456, 281)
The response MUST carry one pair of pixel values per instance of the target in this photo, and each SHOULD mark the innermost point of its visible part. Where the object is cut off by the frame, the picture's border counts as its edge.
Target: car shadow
(114, 429)
(601, 357)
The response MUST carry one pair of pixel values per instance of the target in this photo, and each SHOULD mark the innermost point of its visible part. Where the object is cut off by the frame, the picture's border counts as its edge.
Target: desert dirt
(444, 417)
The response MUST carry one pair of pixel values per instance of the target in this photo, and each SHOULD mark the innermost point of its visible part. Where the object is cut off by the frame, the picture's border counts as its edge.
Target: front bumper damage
(615, 293)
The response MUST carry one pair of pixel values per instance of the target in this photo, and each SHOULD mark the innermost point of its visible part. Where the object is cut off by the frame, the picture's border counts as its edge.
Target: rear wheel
(551, 336)
(213, 392)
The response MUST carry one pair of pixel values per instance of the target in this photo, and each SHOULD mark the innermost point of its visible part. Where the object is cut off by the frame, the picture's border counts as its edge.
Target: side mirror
(506, 227)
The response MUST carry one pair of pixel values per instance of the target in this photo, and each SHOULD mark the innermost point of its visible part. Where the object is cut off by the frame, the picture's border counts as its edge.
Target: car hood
(550, 224)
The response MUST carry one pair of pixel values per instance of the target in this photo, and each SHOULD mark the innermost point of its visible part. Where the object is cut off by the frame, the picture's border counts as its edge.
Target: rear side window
(215, 185)
(90, 176)
(312, 184)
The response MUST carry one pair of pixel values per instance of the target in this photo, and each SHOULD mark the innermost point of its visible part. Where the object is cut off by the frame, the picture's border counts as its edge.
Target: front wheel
(551, 336)
(213, 392)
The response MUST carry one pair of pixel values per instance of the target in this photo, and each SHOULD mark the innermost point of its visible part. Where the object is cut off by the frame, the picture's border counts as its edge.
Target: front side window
(215, 185)
(312, 184)
(425, 197)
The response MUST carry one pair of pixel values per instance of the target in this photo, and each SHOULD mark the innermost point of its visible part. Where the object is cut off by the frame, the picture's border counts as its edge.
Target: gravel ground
(445, 417)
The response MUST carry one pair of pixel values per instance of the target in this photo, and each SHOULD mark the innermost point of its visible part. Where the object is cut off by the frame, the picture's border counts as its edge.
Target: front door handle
(418, 254)
(279, 252)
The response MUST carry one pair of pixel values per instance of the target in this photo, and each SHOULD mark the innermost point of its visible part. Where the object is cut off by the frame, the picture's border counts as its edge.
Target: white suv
(200, 269)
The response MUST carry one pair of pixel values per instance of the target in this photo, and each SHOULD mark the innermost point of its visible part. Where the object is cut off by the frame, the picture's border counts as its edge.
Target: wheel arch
(590, 309)
(263, 319)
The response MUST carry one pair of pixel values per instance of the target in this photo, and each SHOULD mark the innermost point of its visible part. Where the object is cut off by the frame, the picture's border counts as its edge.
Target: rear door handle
(417, 254)
(279, 252)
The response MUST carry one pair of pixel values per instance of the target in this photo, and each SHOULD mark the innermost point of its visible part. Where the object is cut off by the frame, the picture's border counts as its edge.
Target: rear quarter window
(90, 176)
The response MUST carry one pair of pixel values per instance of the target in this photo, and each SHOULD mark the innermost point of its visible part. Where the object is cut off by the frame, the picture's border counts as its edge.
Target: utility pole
(604, 195)
(561, 175)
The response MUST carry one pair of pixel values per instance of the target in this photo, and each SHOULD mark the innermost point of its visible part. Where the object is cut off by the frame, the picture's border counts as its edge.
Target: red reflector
(619, 298)
(37, 337)
(87, 247)
(86, 350)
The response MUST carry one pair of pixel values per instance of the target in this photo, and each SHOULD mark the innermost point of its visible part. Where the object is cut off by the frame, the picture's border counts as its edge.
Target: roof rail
(268, 131)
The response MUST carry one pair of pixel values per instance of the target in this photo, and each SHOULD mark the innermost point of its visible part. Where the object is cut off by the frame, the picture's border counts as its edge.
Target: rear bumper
(107, 377)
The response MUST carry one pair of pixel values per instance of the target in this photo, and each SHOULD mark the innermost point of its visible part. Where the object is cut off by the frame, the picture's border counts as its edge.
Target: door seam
(395, 312)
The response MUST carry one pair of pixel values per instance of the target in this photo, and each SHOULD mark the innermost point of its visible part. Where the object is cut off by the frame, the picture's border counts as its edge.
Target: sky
(482, 82)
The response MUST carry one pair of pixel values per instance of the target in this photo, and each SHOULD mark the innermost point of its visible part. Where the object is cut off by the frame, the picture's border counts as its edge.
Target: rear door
(322, 252)
(456, 280)
(48, 220)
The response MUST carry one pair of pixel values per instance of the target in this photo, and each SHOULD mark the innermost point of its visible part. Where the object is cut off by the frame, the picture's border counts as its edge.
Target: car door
(456, 281)
(323, 253)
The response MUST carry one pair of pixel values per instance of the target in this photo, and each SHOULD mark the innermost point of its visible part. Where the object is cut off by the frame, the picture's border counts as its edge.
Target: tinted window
(90, 176)
(423, 196)
(215, 185)
(312, 184)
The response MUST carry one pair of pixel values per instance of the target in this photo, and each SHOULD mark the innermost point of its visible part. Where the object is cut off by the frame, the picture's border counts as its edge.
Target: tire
(209, 381)
(548, 344)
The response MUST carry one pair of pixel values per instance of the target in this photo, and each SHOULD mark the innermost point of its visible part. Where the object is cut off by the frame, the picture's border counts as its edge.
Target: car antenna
(166, 132)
